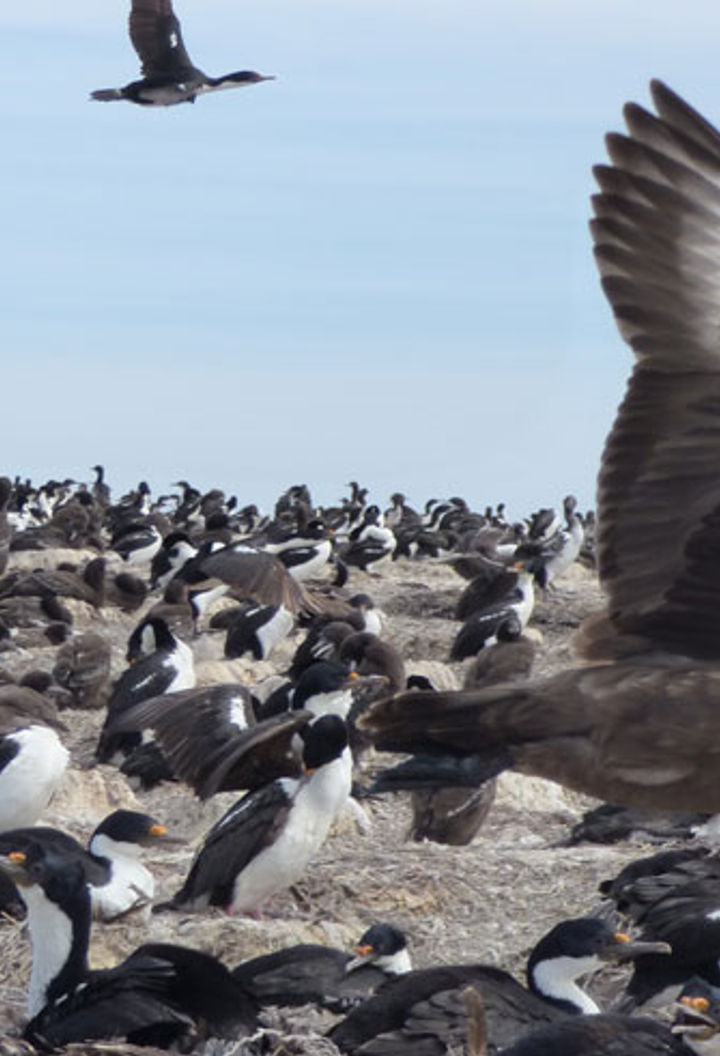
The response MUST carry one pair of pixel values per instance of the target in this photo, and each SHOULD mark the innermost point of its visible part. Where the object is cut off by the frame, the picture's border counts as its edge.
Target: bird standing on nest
(644, 728)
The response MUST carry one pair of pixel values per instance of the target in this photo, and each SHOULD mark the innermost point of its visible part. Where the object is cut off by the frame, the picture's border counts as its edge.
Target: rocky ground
(487, 902)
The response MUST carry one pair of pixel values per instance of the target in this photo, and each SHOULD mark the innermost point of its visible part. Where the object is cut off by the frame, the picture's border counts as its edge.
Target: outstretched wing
(657, 244)
(156, 36)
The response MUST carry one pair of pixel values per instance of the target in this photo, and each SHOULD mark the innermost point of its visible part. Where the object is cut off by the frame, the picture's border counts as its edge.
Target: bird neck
(60, 938)
(107, 849)
(397, 963)
(554, 980)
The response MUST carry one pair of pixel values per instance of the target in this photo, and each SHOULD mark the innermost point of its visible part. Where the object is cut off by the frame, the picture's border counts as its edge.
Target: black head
(421, 682)
(314, 529)
(173, 538)
(361, 601)
(150, 635)
(323, 677)
(130, 826)
(581, 937)
(324, 741)
(216, 521)
(381, 940)
(589, 937)
(61, 876)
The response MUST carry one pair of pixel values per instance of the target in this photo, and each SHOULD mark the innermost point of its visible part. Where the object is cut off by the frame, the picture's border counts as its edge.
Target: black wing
(129, 1002)
(156, 37)
(204, 748)
(428, 1008)
(235, 840)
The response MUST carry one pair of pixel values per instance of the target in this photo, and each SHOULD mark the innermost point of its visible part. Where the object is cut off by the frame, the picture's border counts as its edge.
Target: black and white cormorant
(325, 976)
(117, 880)
(305, 551)
(673, 896)
(369, 543)
(168, 75)
(32, 757)
(695, 1031)
(167, 667)
(265, 841)
(429, 1001)
(562, 548)
(137, 543)
(481, 626)
(159, 995)
(257, 629)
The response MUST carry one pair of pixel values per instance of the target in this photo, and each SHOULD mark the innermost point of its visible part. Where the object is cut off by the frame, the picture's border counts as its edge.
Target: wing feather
(657, 245)
(156, 36)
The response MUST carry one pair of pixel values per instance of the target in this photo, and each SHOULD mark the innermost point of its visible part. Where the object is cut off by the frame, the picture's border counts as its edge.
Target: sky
(376, 267)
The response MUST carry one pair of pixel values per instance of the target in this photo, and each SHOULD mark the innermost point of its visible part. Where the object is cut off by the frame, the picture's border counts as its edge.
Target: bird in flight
(639, 726)
(168, 75)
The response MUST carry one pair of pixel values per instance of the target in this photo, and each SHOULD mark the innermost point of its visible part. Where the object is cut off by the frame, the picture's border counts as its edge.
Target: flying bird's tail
(106, 95)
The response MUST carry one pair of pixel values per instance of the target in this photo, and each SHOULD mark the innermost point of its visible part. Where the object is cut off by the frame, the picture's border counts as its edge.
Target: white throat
(395, 963)
(556, 978)
(51, 934)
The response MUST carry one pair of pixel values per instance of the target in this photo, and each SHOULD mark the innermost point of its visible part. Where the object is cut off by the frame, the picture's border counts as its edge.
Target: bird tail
(106, 95)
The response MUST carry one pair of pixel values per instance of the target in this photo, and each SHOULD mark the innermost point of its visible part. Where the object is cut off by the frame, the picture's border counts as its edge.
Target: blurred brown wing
(251, 573)
(657, 244)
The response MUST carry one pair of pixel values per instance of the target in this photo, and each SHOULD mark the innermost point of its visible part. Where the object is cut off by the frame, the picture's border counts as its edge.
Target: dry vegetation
(487, 902)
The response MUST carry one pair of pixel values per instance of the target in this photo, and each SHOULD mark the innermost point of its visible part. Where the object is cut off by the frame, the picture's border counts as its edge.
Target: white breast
(130, 884)
(29, 780)
(318, 799)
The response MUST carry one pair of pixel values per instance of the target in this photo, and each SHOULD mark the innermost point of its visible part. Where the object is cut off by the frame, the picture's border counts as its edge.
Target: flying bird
(168, 74)
(642, 727)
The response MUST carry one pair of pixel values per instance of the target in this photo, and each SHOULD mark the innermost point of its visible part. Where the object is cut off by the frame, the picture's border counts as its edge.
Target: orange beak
(697, 1004)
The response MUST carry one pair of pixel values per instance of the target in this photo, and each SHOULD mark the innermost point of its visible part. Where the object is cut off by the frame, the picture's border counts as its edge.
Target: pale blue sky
(376, 267)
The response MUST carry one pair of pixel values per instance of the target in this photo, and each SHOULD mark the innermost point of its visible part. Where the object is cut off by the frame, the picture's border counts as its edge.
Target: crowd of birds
(637, 725)
(193, 567)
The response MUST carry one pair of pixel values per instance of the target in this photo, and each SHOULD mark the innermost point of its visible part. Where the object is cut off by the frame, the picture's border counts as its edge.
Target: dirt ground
(487, 902)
